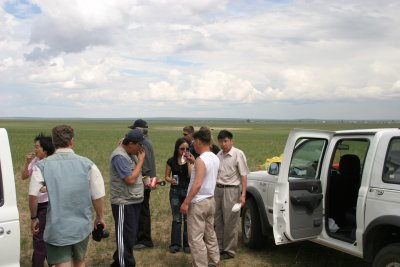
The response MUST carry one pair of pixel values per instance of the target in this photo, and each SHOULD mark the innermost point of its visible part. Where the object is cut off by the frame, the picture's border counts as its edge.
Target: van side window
(307, 158)
(391, 169)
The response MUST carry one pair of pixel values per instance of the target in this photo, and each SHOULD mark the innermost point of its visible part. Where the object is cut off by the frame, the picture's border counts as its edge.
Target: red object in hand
(153, 182)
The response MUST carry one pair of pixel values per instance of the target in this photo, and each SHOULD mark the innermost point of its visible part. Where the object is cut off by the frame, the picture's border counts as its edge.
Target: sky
(306, 59)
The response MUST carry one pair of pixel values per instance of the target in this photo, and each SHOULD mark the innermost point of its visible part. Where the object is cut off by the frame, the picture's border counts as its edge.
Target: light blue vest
(69, 213)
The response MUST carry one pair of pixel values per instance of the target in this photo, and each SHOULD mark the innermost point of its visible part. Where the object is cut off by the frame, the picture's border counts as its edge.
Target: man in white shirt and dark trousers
(199, 204)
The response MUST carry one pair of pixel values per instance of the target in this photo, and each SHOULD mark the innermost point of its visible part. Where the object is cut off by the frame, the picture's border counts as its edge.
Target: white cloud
(97, 56)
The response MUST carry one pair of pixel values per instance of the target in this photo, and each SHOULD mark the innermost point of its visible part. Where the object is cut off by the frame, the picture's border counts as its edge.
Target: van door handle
(377, 191)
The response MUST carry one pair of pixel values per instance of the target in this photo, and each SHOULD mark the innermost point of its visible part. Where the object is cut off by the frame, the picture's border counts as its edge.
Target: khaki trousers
(201, 235)
(226, 221)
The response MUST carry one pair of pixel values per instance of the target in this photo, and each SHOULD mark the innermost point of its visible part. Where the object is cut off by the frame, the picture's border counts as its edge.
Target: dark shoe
(186, 250)
(174, 249)
(225, 256)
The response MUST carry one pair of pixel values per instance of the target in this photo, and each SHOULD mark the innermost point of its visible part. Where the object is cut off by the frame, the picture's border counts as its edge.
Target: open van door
(298, 198)
(9, 218)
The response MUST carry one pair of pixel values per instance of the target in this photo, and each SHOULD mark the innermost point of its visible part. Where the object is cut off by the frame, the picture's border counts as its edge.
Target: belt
(43, 204)
(226, 185)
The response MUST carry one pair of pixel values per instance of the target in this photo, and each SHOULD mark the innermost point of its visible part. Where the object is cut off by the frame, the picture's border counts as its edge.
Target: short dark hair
(188, 129)
(62, 135)
(46, 143)
(205, 128)
(203, 136)
(225, 134)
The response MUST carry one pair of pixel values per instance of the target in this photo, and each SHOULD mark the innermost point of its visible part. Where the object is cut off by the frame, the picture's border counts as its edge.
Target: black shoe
(186, 250)
(225, 256)
(174, 249)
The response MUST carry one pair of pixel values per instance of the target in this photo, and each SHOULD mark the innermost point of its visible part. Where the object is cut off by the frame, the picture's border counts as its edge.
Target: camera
(99, 233)
(161, 183)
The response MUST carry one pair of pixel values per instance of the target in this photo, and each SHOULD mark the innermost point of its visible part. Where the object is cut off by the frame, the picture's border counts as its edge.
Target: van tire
(252, 236)
(388, 256)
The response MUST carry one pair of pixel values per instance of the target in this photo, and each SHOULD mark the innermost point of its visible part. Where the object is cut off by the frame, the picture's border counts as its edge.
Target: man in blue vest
(74, 184)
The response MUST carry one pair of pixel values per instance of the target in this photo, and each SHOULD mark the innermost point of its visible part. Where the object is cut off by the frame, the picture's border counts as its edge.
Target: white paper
(236, 207)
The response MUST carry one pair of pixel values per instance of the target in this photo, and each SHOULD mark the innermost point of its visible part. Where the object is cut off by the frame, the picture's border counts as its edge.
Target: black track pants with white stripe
(126, 218)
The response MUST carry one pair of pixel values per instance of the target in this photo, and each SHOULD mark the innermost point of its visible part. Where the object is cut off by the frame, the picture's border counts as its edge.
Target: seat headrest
(349, 165)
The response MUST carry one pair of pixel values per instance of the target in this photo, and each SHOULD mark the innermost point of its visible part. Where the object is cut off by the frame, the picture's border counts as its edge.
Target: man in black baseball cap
(148, 169)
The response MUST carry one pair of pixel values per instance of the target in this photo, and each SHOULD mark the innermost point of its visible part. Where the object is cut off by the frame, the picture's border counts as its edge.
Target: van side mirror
(273, 168)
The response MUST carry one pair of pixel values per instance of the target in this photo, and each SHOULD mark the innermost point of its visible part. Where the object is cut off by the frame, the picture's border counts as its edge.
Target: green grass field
(96, 139)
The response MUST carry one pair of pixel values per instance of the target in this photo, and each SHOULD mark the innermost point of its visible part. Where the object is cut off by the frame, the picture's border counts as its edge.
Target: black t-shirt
(192, 151)
(215, 149)
(180, 170)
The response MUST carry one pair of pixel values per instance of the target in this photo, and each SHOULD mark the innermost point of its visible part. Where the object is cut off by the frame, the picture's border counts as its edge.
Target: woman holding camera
(177, 172)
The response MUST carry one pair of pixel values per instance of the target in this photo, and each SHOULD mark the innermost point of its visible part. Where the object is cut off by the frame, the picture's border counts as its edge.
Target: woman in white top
(43, 148)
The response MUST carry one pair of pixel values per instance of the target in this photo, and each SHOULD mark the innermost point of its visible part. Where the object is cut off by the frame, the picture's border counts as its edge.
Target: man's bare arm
(198, 181)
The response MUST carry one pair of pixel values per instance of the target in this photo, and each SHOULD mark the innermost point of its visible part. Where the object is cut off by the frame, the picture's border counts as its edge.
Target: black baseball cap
(139, 123)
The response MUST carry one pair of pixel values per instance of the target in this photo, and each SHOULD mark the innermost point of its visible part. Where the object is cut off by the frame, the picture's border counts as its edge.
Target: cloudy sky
(210, 58)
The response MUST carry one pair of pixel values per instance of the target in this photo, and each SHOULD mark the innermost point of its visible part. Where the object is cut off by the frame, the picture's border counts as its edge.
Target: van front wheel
(388, 256)
(251, 226)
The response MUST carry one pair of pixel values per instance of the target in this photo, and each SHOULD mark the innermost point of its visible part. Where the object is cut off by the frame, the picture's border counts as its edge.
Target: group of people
(206, 182)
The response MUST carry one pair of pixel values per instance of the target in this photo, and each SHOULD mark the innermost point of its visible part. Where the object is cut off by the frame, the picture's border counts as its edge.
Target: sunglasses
(184, 148)
(184, 134)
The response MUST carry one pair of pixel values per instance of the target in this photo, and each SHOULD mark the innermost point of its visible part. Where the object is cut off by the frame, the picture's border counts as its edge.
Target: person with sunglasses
(177, 172)
(187, 133)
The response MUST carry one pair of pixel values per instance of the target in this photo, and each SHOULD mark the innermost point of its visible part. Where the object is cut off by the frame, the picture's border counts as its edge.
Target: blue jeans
(176, 197)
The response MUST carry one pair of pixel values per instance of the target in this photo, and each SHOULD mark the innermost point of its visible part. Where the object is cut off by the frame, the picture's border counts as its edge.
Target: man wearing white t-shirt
(199, 204)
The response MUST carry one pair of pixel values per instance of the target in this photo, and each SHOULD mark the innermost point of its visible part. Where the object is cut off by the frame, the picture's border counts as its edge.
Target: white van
(340, 189)
(9, 218)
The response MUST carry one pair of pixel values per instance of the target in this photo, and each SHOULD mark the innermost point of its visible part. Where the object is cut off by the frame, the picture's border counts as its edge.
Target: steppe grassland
(96, 139)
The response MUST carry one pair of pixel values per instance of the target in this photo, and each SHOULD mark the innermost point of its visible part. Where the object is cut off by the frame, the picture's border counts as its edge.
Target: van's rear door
(9, 219)
(298, 198)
